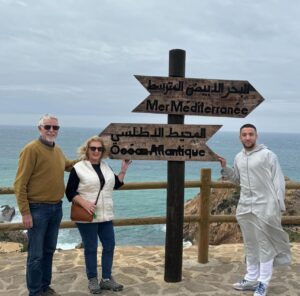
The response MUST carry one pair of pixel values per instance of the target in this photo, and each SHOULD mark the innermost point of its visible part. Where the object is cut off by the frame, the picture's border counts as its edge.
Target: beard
(249, 146)
(50, 139)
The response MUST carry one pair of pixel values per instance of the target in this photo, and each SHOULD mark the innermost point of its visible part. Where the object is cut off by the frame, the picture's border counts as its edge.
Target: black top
(74, 180)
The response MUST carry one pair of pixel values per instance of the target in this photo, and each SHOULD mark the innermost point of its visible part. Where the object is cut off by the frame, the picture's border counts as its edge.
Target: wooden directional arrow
(160, 141)
(206, 97)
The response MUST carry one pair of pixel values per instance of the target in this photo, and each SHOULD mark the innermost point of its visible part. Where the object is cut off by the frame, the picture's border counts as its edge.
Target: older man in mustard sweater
(39, 189)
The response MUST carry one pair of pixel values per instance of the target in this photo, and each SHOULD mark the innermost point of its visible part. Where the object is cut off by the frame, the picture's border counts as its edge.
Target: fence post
(204, 211)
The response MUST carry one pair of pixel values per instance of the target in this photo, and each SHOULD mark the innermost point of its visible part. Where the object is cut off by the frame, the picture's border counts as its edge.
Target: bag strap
(98, 195)
(99, 175)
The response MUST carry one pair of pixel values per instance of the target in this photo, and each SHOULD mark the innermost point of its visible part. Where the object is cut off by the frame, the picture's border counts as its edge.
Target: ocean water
(137, 203)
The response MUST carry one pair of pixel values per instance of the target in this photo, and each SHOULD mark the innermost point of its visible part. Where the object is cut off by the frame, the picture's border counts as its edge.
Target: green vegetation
(294, 234)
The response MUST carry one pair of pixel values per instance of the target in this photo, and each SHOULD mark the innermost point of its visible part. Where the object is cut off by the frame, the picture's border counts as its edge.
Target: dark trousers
(89, 233)
(42, 239)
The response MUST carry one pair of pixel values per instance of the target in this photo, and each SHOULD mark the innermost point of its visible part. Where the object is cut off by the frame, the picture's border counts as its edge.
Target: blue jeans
(42, 239)
(89, 233)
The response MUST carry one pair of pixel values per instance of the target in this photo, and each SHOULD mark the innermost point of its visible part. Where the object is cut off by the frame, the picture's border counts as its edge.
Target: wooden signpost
(160, 142)
(178, 96)
(205, 97)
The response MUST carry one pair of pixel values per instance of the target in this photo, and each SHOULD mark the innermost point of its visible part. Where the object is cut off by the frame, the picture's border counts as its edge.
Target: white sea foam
(66, 246)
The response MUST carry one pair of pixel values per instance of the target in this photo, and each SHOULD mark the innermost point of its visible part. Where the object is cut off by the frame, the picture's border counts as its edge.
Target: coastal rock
(9, 247)
(79, 246)
(6, 213)
(292, 203)
(223, 202)
(17, 236)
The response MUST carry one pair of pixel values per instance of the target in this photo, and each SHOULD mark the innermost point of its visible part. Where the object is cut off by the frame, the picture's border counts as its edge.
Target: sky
(77, 58)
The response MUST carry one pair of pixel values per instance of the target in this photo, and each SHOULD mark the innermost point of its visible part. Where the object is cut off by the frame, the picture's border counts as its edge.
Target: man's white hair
(46, 116)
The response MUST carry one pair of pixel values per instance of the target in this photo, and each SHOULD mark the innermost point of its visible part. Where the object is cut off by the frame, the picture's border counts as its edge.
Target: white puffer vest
(89, 186)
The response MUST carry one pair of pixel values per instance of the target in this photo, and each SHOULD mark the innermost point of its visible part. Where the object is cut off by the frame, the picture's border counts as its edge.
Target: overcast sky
(76, 58)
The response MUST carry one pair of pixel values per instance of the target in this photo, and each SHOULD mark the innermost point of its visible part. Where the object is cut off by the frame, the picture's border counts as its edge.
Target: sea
(137, 203)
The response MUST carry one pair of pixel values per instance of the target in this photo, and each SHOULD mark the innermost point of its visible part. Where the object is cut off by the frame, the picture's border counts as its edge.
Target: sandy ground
(141, 270)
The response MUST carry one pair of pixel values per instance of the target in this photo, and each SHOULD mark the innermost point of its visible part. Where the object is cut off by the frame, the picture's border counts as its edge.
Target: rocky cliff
(224, 202)
(6, 215)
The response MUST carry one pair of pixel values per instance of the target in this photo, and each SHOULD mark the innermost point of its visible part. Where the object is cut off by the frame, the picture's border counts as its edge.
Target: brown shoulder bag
(78, 213)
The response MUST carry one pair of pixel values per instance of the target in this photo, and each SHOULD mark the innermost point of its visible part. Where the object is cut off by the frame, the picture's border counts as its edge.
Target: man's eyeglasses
(48, 127)
(100, 149)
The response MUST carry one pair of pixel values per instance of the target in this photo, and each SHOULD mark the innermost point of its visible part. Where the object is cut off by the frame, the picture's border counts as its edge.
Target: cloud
(78, 58)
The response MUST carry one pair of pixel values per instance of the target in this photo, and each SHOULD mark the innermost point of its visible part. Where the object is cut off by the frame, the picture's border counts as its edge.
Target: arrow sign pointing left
(160, 141)
(192, 96)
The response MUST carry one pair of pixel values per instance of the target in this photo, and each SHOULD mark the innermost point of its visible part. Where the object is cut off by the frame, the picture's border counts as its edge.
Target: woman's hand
(124, 166)
(87, 205)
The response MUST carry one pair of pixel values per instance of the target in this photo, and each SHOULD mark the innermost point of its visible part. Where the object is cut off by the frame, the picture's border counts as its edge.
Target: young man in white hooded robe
(256, 169)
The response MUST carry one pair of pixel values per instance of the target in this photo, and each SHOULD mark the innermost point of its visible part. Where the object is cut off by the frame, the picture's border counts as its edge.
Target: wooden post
(175, 189)
(204, 210)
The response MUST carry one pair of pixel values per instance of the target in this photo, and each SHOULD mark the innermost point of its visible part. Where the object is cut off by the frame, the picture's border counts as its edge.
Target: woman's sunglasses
(100, 149)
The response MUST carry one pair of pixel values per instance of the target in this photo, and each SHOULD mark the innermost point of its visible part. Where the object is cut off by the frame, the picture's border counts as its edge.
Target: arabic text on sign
(196, 88)
(159, 132)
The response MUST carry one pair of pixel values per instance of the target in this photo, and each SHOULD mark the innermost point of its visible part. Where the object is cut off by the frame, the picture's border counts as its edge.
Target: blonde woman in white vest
(87, 178)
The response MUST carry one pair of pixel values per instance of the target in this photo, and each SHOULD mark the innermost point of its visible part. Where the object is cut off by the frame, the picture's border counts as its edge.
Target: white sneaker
(261, 290)
(245, 285)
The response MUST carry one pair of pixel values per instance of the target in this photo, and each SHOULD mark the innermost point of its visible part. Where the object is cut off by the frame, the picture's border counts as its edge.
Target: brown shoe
(50, 292)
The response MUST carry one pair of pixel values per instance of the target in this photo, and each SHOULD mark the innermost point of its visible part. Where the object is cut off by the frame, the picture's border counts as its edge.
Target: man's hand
(27, 220)
(222, 161)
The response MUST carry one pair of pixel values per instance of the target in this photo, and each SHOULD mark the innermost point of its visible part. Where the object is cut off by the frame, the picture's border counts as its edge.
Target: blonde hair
(83, 150)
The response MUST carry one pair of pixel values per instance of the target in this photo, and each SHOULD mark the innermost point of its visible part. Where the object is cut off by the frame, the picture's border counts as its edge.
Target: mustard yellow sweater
(40, 175)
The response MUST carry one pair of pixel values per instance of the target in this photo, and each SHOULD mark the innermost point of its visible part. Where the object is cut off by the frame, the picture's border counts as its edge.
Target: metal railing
(204, 219)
